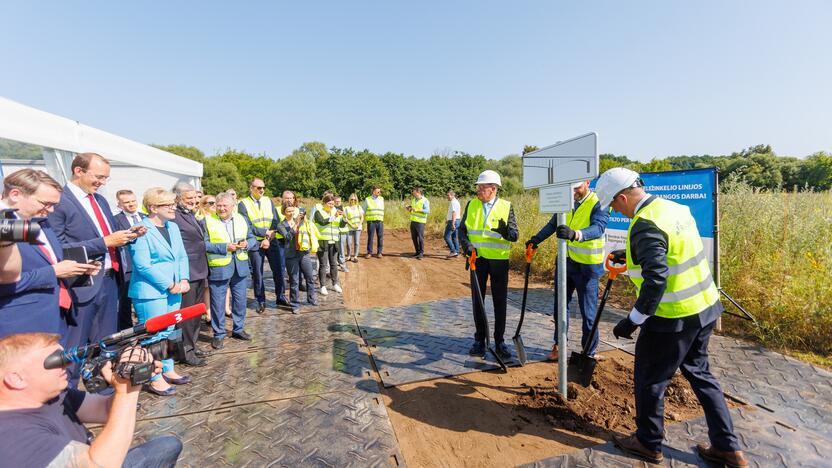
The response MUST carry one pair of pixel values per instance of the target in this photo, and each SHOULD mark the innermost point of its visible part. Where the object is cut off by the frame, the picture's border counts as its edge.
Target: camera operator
(41, 421)
(38, 299)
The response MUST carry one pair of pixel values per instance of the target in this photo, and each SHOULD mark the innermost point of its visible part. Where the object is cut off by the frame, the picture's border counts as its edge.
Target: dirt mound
(607, 405)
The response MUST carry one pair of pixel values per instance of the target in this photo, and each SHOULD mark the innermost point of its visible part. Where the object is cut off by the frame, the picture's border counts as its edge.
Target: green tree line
(313, 168)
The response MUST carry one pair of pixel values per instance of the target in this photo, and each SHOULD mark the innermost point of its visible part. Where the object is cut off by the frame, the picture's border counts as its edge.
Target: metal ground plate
(328, 430)
(430, 340)
(764, 442)
(268, 374)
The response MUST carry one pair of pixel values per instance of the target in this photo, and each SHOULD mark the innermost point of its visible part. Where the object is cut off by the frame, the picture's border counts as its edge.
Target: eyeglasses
(212, 203)
(46, 205)
(100, 178)
(167, 205)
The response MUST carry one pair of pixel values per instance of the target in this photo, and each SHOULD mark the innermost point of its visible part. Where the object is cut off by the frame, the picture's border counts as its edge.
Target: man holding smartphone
(129, 219)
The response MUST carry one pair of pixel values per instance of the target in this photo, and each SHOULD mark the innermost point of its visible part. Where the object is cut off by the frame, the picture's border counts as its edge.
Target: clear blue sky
(652, 78)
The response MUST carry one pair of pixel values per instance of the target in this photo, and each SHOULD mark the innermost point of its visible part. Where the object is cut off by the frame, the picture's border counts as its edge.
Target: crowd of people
(92, 272)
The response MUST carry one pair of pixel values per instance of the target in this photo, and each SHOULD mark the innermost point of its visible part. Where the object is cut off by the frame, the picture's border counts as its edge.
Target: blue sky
(652, 78)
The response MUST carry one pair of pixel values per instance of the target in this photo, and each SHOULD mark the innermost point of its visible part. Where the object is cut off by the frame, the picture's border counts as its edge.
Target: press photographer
(42, 422)
(39, 300)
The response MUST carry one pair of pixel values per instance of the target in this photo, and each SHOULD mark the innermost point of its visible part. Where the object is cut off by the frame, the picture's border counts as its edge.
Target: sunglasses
(211, 203)
(259, 187)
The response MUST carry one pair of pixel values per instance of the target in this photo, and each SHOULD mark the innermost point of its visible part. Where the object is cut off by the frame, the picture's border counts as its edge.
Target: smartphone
(136, 228)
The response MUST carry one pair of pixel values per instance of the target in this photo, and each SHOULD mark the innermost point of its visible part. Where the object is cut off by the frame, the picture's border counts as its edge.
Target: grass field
(776, 261)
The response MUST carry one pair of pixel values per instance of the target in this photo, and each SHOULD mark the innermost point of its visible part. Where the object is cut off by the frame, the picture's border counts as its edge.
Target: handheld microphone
(63, 358)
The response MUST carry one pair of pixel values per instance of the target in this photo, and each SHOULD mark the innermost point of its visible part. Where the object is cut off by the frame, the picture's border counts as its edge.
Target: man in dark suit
(193, 236)
(129, 217)
(39, 300)
(83, 218)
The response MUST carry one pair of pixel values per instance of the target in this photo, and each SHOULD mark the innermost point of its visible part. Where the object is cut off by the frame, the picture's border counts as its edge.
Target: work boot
(217, 343)
(502, 350)
(732, 459)
(478, 349)
(633, 446)
(553, 356)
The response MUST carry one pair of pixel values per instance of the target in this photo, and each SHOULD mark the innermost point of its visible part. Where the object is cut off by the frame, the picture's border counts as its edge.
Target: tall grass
(776, 259)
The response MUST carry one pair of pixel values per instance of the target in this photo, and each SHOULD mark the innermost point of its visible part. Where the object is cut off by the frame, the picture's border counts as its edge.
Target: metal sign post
(554, 169)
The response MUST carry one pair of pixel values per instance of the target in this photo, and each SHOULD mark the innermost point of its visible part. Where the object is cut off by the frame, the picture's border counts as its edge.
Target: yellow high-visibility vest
(331, 231)
(690, 286)
(488, 243)
(416, 214)
(217, 234)
(375, 209)
(353, 214)
(307, 240)
(589, 252)
(262, 217)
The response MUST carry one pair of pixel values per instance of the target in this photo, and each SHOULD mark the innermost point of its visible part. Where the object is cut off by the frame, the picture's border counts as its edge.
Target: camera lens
(19, 230)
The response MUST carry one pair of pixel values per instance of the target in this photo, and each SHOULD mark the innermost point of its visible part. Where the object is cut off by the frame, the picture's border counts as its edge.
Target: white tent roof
(28, 125)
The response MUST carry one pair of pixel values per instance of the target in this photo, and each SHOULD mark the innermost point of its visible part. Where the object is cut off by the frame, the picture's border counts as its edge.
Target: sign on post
(553, 170)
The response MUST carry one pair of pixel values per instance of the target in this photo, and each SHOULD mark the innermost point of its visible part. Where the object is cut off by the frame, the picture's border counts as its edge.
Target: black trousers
(497, 270)
(190, 328)
(658, 356)
(417, 234)
(125, 306)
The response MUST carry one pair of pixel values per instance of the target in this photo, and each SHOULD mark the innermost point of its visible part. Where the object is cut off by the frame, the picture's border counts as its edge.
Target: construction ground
(381, 377)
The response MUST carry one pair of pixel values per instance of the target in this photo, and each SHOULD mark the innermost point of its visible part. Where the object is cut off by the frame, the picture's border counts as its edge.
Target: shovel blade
(521, 350)
(580, 368)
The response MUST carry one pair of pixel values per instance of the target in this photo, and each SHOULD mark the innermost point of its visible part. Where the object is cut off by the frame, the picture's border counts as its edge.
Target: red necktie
(103, 225)
(63, 294)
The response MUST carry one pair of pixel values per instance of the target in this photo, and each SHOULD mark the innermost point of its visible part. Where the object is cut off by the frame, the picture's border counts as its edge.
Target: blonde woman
(354, 215)
(160, 276)
(207, 206)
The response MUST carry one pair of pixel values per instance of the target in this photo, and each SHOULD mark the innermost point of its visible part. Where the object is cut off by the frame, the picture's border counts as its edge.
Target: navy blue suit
(581, 277)
(125, 304)
(96, 306)
(31, 304)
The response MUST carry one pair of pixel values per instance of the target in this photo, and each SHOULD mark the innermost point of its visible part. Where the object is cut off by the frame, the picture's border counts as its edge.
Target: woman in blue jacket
(160, 276)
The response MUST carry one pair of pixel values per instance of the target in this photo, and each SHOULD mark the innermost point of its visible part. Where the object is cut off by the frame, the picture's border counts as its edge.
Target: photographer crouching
(42, 421)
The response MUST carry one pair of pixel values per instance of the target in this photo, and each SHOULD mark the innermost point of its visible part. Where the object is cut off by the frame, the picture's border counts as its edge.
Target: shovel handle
(614, 268)
(530, 251)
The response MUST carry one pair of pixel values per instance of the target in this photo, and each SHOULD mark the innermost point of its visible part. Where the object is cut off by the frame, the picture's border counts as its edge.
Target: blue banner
(693, 188)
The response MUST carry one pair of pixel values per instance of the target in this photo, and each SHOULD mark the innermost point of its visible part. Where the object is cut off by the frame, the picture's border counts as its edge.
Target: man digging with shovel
(488, 227)
(584, 232)
(676, 308)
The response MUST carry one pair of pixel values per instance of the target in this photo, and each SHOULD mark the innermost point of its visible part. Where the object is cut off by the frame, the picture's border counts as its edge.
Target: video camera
(95, 356)
(17, 230)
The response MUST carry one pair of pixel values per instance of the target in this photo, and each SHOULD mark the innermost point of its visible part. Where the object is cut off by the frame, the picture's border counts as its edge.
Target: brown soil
(493, 418)
(407, 280)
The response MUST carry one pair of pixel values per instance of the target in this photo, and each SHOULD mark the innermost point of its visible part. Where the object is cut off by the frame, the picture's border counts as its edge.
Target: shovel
(518, 340)
(472, 264)
(581, 365)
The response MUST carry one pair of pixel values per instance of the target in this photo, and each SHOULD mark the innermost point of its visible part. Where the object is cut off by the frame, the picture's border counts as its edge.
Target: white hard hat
(613, 181)
(489, 177)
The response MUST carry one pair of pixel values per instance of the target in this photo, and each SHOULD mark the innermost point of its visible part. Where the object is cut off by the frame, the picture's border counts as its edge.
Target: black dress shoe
(283, 302)
(184, 380)
(198, 362)
(149, 388)
(241, 336)
(202, 353)
(502, 350)
(478, 349)
(217, 343)
(261, 308)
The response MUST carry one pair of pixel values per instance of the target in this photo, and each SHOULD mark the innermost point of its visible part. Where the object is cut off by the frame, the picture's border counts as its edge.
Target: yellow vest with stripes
(217, 234)
(262, 217)
(345, 228)
(488, 243)
(353, 214)
(375, 209)
(589, 252)
(307, 237)
(690, 287)
(416, 214)
(328, 232)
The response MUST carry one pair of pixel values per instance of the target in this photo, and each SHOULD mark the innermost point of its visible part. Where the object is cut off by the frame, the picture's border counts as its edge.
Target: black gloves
(534, 242)
(619, 256)
(624, 329)
(469, 249)
(565, 232)
(501, 229)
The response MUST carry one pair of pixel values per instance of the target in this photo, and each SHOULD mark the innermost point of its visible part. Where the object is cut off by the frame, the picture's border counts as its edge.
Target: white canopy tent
(134, 165)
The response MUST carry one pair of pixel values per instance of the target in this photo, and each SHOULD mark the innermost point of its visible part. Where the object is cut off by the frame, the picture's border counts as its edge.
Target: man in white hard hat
(584, 233)
(488, 227)
(676, 308)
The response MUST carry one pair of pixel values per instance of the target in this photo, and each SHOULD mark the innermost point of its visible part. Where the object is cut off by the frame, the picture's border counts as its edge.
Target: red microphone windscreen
(160, 322)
